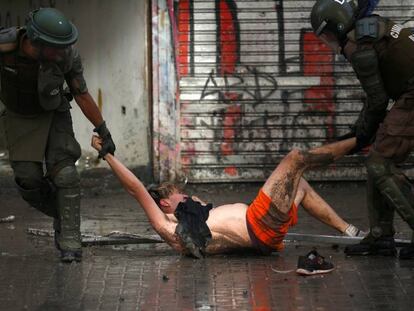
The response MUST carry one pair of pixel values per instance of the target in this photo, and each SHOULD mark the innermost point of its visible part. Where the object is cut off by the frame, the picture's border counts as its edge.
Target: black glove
(108, 145)
(361, 141)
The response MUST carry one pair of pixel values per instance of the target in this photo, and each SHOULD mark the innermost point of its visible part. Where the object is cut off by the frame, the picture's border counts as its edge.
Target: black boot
(68, 238)
(407, 252)
(70, 255)
(384, 245)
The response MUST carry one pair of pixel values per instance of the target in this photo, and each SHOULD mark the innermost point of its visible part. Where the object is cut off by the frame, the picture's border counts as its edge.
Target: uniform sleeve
(74, 77)
(366, 66)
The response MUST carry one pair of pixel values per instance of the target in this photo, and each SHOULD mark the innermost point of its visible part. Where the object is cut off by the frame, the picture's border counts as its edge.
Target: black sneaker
(384, 246)
(313, 263)
(407, 252)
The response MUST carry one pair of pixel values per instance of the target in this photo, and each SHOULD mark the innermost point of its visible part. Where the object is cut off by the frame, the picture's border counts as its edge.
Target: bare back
(228, 227)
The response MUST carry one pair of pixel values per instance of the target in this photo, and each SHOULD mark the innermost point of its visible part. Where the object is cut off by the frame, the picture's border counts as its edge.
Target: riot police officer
(381, 53)
(35, 62)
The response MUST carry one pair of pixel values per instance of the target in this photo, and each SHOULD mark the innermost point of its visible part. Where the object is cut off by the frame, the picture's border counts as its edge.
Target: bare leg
(282, 184)
(318, 207)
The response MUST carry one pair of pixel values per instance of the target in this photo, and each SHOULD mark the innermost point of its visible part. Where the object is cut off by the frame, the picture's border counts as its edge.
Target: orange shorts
(267, 225)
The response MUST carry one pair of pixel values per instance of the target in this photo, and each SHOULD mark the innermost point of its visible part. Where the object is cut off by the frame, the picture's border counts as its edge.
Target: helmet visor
(55, 54)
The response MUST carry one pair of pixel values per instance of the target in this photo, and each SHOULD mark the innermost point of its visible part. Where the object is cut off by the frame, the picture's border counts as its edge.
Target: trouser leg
(381, 215)
(394, 187)
(33, 187)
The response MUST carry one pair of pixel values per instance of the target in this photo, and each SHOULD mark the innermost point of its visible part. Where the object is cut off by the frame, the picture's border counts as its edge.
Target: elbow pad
(366, 66)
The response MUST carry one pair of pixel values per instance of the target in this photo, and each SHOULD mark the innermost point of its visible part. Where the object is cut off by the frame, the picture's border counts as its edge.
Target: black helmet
(50, 27)
(336, 16)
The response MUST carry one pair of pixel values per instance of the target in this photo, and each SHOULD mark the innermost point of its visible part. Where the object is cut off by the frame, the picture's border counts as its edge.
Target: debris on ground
(8, 219)
(112, 238)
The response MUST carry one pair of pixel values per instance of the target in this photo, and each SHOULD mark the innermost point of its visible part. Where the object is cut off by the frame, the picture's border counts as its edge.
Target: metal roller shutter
(255, 82)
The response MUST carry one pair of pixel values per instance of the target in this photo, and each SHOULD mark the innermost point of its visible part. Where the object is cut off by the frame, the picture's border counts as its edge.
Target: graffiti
(228, 37)
(320, 98)
(185, 14)
(285, 106)
(239, 87)
(256, 82)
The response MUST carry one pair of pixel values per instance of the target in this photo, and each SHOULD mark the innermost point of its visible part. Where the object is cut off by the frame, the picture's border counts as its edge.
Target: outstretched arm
(159, 221)
(136, 189)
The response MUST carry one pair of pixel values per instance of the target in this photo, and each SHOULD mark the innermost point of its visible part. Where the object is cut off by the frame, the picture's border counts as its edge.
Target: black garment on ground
(192, 228)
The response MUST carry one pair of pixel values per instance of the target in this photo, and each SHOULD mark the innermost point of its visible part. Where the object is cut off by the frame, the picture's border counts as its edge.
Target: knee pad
(395, 188)
(378, 167)
(66, 177)
(28, 175)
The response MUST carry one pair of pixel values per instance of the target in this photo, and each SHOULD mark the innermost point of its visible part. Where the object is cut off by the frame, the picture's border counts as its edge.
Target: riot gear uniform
(38, 124)
(383, 59)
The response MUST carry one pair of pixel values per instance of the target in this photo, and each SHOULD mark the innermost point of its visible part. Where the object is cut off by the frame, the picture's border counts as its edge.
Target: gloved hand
(108, 145)
(361, 140)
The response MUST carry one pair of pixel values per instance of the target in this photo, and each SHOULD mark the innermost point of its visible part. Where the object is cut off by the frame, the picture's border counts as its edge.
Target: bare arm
(337, 149)
(159, 221)
(89, 108)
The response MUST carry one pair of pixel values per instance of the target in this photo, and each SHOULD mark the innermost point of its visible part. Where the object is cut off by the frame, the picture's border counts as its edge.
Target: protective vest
(394, 46)
(19, 75)
(396, 58)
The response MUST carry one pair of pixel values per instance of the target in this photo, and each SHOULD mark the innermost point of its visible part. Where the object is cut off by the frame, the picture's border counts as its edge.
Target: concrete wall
(113, 46)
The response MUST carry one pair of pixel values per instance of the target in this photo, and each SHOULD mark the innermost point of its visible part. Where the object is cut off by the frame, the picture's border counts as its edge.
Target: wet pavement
(153, 277)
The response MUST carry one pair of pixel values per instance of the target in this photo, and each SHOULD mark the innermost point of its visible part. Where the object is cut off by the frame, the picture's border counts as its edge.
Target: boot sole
(390, 253)
(68, 258)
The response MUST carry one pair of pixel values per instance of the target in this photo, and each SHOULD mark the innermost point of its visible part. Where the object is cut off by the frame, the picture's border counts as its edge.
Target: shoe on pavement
(384, 246)
(312, 264)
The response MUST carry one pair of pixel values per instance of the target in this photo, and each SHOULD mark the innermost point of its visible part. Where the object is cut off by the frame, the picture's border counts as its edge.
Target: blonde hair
(163, 191)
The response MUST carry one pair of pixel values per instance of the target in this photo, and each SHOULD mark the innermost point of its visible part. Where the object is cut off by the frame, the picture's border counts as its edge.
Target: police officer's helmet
(50, 27)
(335, 16)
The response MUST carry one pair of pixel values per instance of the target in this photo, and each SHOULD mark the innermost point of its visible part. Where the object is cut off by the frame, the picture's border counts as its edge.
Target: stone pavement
(153, 277)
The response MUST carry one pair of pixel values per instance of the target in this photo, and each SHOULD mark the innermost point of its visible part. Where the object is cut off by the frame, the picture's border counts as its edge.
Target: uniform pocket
(62, 141)
(400, 119)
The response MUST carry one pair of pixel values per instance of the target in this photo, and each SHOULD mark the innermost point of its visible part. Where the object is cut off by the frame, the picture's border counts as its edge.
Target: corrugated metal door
(255, 82)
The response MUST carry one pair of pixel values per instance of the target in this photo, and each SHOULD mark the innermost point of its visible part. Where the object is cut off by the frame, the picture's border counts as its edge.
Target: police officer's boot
(67, 224)
(407, 252)
(68, 240)
(407, 188)
(380, 239)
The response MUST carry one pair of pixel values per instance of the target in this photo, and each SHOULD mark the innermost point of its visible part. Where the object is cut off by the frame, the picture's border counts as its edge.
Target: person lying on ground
(191, 226)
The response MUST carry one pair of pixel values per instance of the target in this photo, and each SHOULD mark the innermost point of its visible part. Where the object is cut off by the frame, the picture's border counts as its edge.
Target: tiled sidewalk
(153, 277)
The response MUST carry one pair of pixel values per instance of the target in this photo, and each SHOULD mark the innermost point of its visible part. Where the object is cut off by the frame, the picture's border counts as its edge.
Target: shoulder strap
(370, 29)
(8, 39)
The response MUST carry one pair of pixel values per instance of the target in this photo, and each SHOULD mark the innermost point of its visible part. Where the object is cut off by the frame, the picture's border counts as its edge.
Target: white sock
(353, 231)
